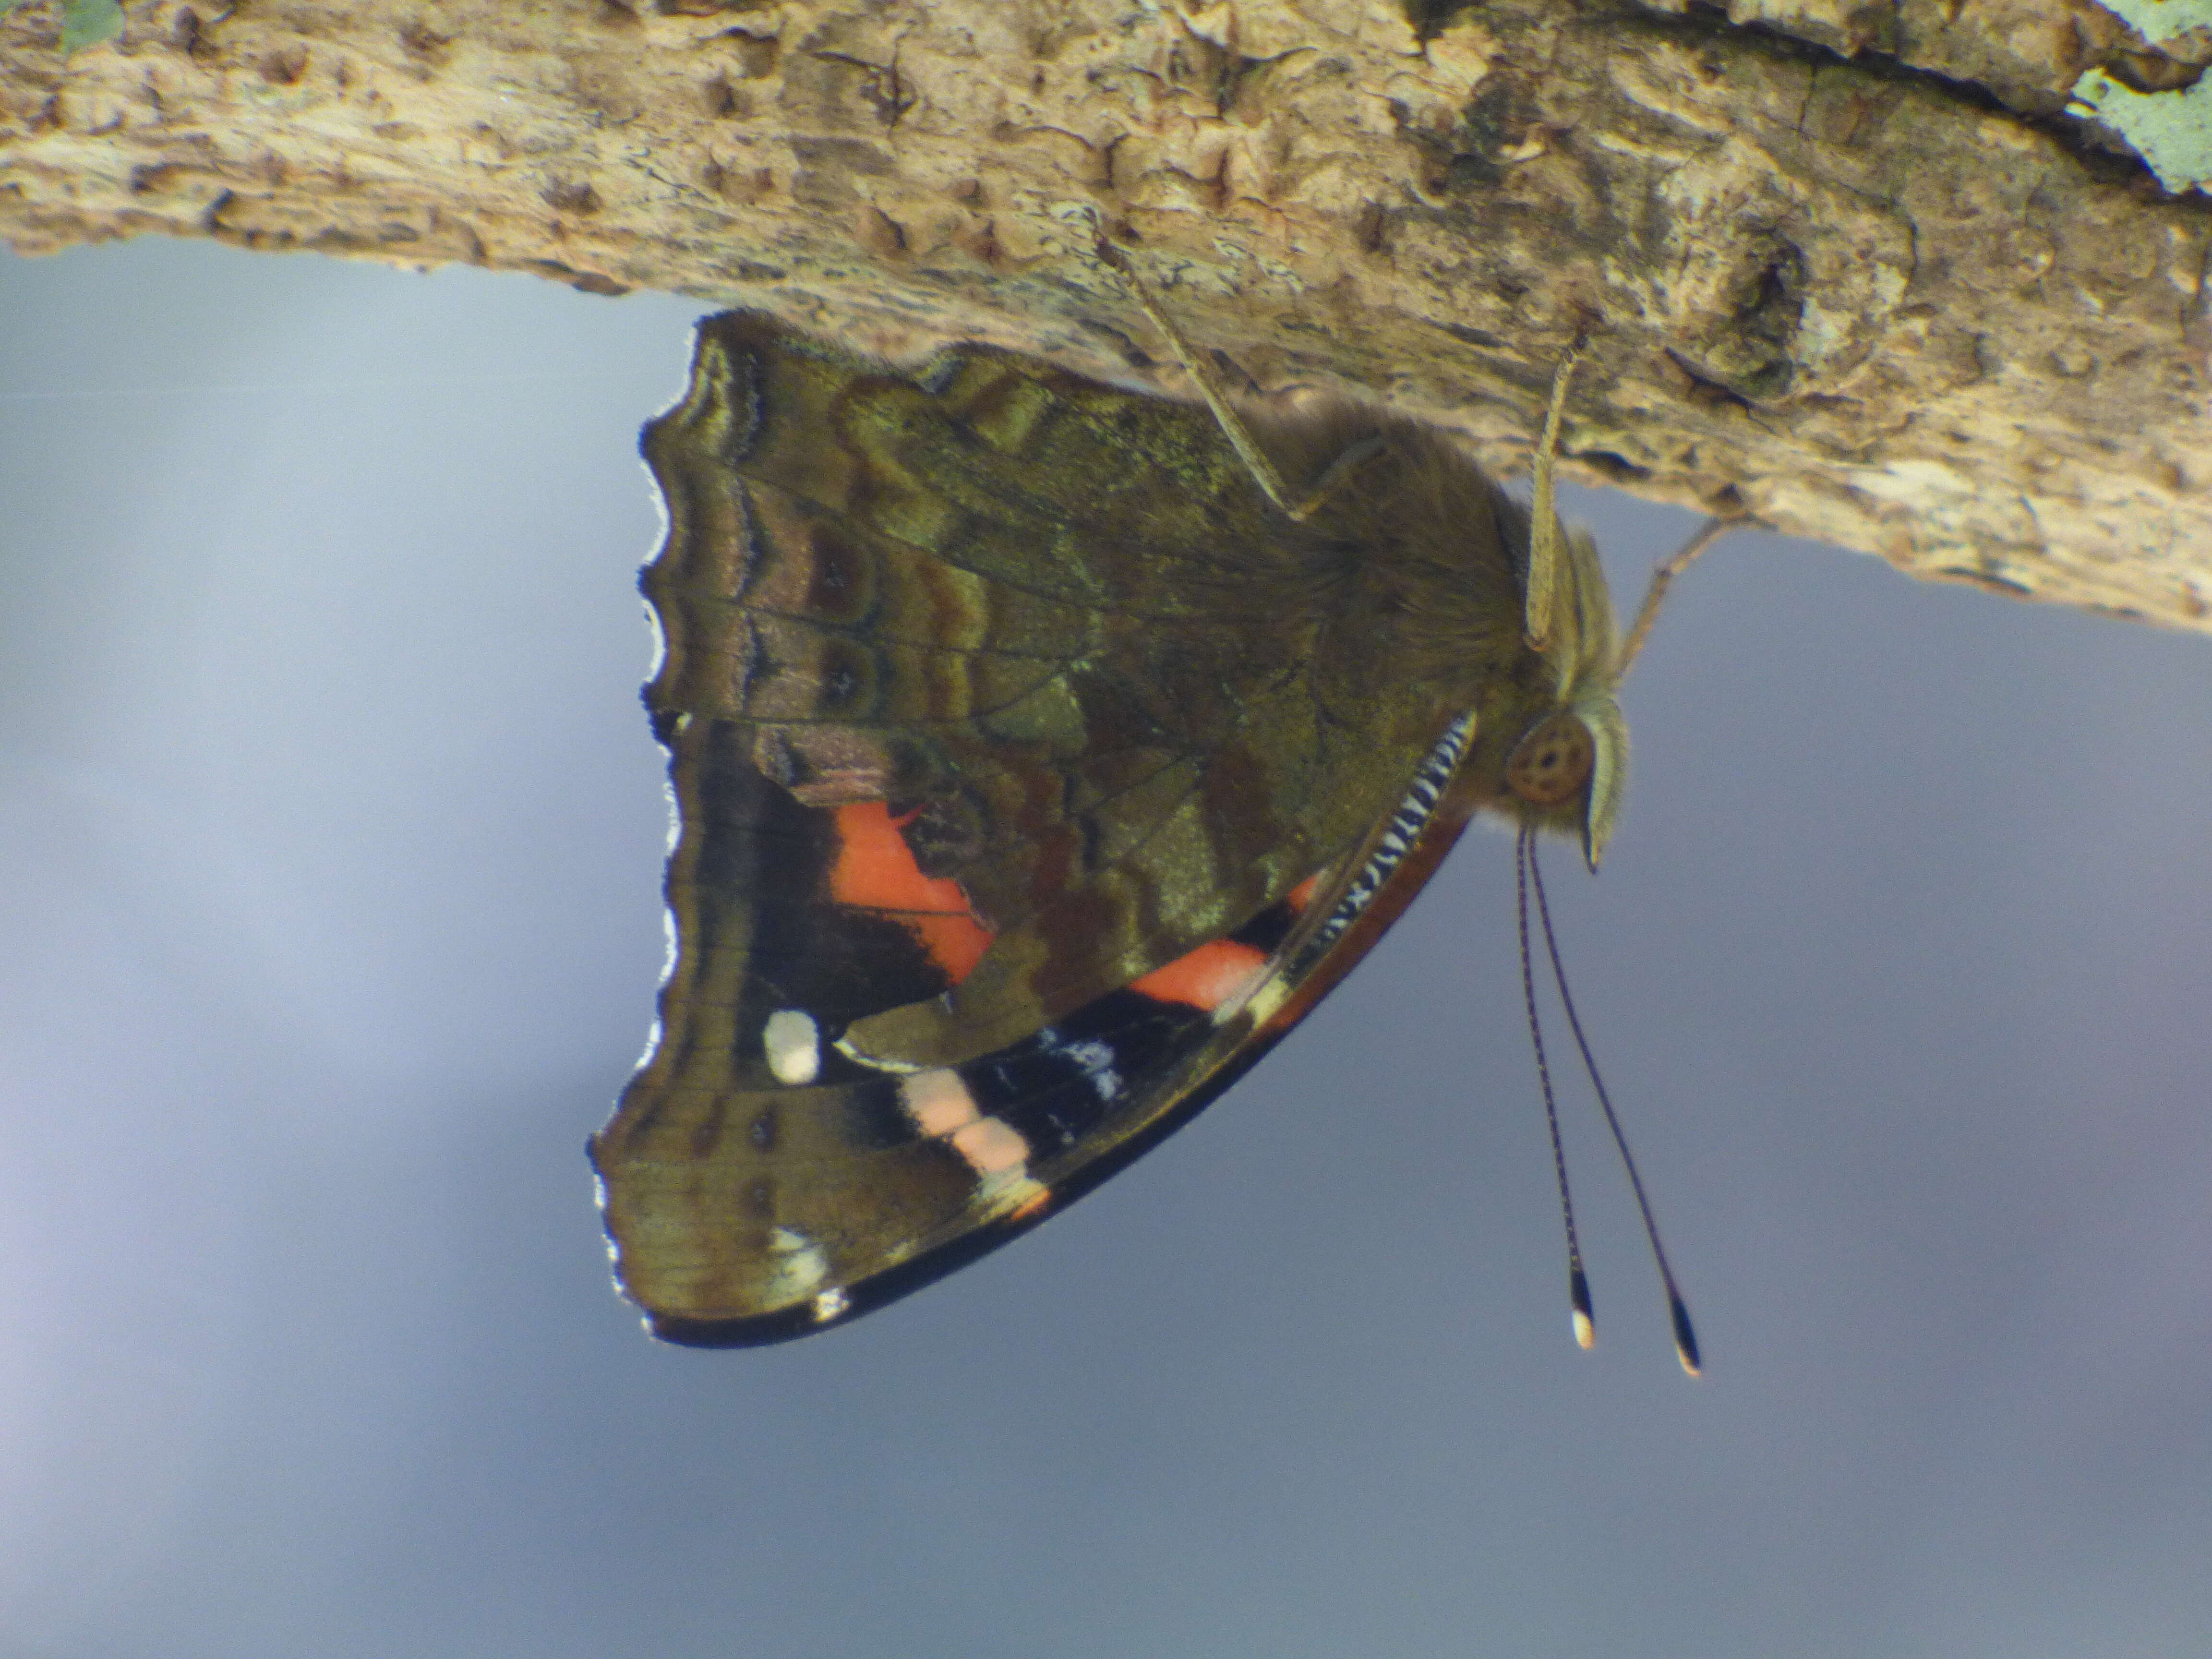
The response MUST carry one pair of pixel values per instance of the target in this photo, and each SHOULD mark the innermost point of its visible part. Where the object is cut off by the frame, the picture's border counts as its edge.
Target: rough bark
(1844, 266)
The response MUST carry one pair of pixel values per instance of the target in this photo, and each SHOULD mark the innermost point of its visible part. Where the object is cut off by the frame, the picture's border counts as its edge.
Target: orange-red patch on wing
(1205, 978)
(1303, 894)
(876, 871)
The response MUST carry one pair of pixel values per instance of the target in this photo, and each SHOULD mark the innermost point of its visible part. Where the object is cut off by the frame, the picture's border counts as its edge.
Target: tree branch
(1892, 300)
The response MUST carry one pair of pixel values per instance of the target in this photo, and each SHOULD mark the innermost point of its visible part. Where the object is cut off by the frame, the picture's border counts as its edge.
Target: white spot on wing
(793, 1045)
(1097, 1059)
(829, 1304)
(799, 1265)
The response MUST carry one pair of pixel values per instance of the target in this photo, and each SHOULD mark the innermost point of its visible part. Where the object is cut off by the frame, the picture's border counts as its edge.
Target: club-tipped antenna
(1685, 1335)
(1578, 1295)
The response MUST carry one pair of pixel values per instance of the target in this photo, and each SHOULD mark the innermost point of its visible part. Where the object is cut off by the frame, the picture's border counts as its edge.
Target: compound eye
(1553, 762)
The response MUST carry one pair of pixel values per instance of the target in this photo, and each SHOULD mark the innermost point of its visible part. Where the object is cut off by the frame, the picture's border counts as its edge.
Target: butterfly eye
(1553, 762)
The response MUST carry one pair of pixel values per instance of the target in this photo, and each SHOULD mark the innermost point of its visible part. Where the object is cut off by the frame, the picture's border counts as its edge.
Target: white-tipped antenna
(1578, 1295)
(1685, 1335)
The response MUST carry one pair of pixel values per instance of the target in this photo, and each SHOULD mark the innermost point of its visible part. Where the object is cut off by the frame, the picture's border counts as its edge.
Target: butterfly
(1043, 752)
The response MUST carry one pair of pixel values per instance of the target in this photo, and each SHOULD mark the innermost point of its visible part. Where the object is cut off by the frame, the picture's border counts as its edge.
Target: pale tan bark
(1894, 301)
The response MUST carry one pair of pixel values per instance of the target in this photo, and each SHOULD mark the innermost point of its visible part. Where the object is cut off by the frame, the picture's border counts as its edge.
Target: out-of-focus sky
(329, 842)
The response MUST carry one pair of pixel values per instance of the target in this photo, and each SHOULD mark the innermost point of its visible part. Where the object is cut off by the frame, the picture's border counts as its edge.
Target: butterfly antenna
(1663, 577)
(1685, 1335)
(1524, 861)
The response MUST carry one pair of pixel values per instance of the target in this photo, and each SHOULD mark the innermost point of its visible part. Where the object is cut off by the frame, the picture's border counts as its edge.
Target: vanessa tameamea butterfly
(1039, 762)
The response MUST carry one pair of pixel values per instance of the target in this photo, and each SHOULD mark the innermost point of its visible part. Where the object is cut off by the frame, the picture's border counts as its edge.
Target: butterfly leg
(1241, 438)
(1663, 577)
(1544, 529)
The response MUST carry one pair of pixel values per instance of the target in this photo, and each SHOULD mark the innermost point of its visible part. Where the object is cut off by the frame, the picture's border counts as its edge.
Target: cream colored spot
(829, 1304)
(991, 1145)
(797, 1265)
(1268, 997)
(1013, 1192)
(859, 1056)
(792, 1043)
(943, 1108)
(937, 1102)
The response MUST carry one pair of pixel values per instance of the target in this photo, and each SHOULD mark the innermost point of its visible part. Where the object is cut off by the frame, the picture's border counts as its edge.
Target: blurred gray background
(331, 835)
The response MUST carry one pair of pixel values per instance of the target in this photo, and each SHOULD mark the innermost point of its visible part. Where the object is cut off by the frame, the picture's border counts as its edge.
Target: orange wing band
(876, 871)
(1205, 978)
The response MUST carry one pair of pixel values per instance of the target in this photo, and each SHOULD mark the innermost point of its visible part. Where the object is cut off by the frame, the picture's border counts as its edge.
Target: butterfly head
(1566, 771)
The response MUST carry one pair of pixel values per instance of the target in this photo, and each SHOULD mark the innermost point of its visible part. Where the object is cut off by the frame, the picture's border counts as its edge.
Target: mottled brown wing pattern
(1006, 720)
